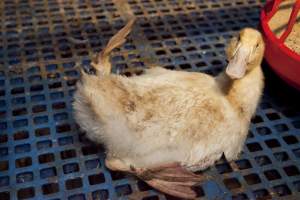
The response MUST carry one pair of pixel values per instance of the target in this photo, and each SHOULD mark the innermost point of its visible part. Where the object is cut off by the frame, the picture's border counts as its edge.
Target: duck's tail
(102, 63)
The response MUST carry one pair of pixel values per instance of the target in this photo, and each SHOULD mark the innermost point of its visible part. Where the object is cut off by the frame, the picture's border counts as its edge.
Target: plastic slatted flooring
(43, 155)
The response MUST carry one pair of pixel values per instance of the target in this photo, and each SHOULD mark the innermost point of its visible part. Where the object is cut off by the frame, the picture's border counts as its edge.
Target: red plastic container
(284, 61)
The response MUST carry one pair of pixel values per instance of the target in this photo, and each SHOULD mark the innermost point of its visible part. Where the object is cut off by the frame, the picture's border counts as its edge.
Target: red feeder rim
(277, 53)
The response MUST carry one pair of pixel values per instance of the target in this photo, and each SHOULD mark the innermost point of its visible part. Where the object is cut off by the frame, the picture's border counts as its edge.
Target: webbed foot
(172, 179)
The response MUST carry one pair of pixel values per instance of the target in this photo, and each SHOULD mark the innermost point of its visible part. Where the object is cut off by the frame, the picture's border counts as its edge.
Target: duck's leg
(102, 63)
(115, 164)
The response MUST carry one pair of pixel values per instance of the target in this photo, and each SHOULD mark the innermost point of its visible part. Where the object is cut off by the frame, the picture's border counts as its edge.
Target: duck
(164, 125)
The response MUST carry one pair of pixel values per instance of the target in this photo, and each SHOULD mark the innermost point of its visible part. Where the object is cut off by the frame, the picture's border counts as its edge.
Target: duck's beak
(237, 65)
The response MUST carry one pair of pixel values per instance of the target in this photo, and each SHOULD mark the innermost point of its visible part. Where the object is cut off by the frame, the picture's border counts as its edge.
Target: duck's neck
(243, 94)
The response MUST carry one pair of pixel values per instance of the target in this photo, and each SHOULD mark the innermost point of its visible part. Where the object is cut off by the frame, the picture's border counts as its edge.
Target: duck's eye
(257, 45)
(238, 38)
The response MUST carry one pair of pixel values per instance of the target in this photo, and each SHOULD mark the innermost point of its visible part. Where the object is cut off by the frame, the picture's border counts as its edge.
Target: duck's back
(172, 103)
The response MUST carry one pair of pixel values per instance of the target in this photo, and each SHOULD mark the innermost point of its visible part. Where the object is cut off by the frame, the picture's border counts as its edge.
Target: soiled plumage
(162, 117)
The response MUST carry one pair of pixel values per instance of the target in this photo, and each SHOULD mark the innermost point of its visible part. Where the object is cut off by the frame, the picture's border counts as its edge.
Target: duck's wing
(172, 179)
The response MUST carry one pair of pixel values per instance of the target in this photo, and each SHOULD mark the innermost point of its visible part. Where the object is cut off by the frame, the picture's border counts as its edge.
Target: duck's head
(244, 52)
